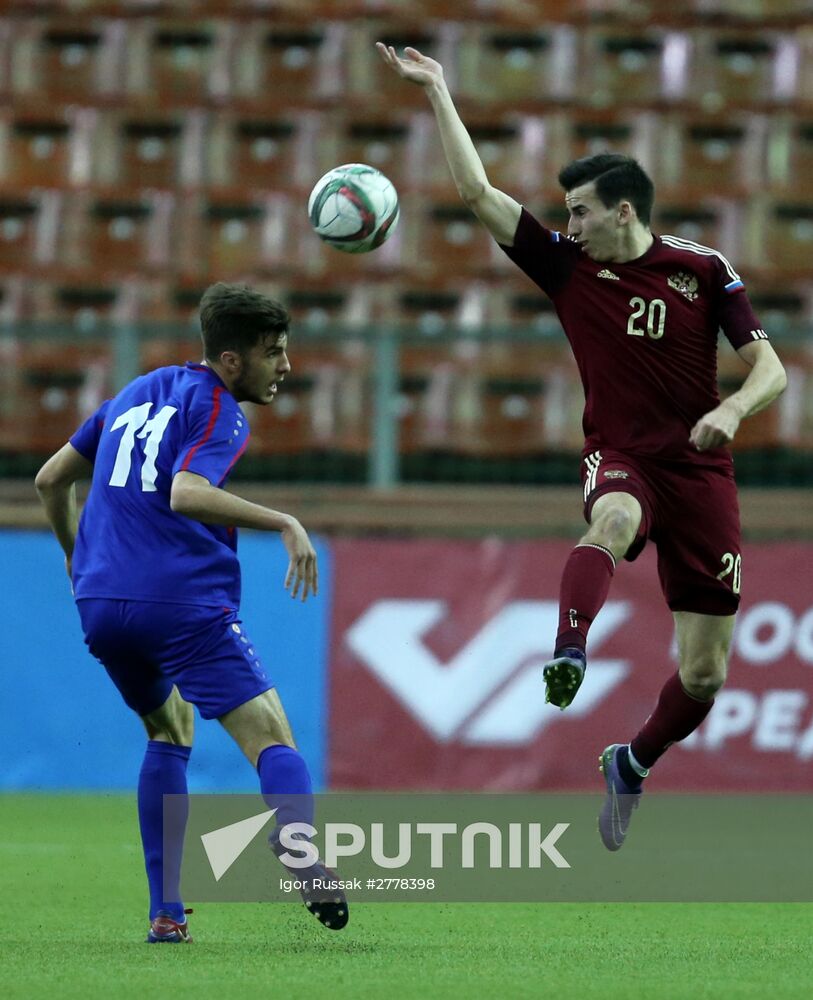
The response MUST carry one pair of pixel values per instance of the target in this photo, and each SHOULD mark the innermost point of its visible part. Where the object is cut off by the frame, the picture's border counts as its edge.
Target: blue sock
(163, 772)
(286, 784)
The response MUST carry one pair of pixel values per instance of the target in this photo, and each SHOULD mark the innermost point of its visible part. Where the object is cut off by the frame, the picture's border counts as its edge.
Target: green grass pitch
(74, 918)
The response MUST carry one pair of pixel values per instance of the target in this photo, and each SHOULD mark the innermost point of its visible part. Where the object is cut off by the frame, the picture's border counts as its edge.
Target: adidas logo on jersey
(607, 274)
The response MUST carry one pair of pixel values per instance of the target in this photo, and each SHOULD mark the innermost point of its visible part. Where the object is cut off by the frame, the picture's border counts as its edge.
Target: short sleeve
(735, 313)
(86, 438)
(546, 256)
(216, 436)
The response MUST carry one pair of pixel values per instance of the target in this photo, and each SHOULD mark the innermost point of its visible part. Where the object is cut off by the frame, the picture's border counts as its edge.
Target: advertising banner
(436, 672)
(65, 725)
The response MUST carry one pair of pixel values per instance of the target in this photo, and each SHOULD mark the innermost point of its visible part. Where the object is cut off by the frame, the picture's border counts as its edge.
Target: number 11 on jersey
(151, 431)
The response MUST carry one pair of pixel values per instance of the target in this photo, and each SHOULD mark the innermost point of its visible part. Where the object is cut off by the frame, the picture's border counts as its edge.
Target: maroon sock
(585, 585)
(676, 715)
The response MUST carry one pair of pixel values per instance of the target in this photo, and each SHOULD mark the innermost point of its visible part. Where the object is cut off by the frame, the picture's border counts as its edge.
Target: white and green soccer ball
(354, 208)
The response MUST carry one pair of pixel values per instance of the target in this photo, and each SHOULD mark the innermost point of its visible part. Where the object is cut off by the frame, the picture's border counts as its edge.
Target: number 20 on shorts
(732, 566)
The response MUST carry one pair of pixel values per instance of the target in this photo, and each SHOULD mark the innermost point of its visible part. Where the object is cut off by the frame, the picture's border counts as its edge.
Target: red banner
(436, 672)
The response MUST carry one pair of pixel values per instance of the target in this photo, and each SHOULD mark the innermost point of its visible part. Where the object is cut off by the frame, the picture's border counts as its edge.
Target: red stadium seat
(786, 236)
(178, 64)
(715, 223)
(396, 144)
(700, 154)
(67, 59)
(790, 156)
(147, 151)
(445, 239)
(270, 153)
(624, 66)
(18, 225)
(35, 151)
(122, 235)
(732, 68)
(291, 63)
(518, 67)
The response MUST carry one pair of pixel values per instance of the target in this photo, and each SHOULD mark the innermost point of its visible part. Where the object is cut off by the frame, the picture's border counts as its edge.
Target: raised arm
(498, 212)
(194, 496)
(764, 383)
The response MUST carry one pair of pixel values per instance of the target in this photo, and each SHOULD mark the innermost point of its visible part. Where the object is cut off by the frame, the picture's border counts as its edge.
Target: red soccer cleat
(165, 930)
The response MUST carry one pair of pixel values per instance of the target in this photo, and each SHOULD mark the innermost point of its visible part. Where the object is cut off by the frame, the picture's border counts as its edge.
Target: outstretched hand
(302, 573)
(414, 67)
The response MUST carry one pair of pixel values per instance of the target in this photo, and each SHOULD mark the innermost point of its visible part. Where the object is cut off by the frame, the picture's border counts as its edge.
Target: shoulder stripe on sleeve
(759, 335)
(218, 389)
(680, 244)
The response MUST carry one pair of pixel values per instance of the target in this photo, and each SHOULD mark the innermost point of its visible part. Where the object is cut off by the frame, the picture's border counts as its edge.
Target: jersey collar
(197, 366)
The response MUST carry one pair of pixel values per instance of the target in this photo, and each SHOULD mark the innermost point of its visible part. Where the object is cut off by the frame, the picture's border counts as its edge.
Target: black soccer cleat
(564, 675)
(318, 887)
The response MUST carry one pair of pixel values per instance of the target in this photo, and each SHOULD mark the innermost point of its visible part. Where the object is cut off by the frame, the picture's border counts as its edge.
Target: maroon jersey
(644, 335)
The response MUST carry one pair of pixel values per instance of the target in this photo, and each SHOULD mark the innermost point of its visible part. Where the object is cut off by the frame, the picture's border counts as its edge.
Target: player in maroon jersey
(642, 313)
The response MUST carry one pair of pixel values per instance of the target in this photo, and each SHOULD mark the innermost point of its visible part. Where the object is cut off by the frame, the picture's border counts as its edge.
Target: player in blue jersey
(153, 564)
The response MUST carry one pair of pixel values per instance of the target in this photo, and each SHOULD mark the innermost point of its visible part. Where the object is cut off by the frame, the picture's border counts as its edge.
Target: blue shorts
(147, 647)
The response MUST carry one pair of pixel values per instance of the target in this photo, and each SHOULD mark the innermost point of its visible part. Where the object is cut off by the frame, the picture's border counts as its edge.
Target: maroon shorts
(691, 514)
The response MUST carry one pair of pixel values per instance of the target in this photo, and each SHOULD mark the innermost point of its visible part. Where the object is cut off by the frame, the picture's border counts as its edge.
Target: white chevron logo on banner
(491, 692)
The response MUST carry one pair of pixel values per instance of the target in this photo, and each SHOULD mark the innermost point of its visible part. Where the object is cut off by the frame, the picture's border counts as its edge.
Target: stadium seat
(178, 64)
(711, 222)
(58, 378)
(790, 156)
(513, 149)
(18, 223)
(732, 68)
(58, 385)
(155, 150)
(699, 154)
(396, 144)
(624, 66)
(121, 235)
(67, 59)
(35, 151)
(786, 236)
(446, 239)
(518, 68)
(31, 229)
(270, 152)
(231, 234)
(291, 63)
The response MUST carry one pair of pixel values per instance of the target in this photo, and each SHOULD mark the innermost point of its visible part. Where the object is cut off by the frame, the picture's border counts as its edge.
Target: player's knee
(176, 726)
(703, 677)
(614, 527)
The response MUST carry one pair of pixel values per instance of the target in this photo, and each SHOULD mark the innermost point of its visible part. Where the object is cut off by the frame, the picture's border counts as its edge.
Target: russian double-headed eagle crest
(685, 283)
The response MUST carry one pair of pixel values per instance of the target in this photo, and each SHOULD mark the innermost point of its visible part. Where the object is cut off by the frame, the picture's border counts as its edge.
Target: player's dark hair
(616, 176)
(235, 318)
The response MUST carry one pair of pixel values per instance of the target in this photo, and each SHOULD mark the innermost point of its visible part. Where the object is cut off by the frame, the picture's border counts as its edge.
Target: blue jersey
(131, 544)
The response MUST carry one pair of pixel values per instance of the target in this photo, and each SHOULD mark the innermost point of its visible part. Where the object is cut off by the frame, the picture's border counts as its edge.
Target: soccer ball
(354, 208)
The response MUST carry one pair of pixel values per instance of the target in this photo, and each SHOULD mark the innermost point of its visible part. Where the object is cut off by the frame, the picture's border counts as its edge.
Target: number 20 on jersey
(650, 315)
